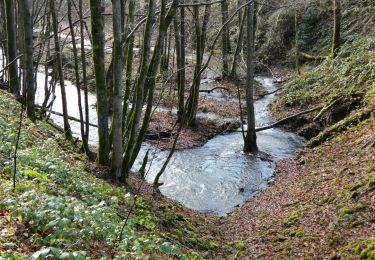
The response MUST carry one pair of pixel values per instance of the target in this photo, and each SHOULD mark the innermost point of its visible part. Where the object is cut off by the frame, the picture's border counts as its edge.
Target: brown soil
(163, 124)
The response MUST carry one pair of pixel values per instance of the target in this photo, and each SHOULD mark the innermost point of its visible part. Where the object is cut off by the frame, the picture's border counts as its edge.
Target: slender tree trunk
(97, 27)
(237, 52)
(84, 71)
(296, 41)
(225, 38)
(336, 27)
(200, 34)
(129, 65)
(250, 140)
(179, 29)
(28, 58)
(67, 130)
(85, 145)
(164, 21)
(117, 147)
(138, 101)
(12, 46)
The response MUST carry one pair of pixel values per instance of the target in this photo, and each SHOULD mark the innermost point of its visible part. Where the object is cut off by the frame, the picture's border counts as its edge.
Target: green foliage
(352, 71)
(67, 211)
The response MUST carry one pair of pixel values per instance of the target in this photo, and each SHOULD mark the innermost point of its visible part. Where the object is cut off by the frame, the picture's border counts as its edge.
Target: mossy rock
(233, 126)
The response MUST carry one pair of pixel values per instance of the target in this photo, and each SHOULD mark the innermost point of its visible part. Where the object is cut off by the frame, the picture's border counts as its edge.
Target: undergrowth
(351, 74)
(58, 210)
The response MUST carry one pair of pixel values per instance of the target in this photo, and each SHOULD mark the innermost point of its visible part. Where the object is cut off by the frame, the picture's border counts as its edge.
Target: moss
(239, 245)
(233, 125)
(177, 234)
(296, 233)
(193, 240)
(291, 219)
(371, 182)
(368, 252)
(208, 243)
(354, 186)
(327, 200)
(347, 211)
(278, 238)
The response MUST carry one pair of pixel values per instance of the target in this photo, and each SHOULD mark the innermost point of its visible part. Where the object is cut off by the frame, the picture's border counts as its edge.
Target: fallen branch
(268, 93)
(211, 90)
(284, 120)
(69, 117)
(312, 57)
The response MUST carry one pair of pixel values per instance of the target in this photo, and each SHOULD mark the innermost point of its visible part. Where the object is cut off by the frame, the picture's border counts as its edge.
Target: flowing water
(213, 178)
(218, 176)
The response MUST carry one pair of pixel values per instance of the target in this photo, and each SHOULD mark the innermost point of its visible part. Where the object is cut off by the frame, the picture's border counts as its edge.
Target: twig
(268, 93)
(211, 90)
(69, 117)
(16, 150)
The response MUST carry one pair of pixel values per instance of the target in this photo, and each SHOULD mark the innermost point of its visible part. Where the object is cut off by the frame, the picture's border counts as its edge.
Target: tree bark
(85, 145)
(117, 147)
(67, 130)
(336, 27)
(97, 29)
(250, 140)
(29, 87)
(225, 38)
(200, 34)
(11, 46)
(84, 71)
(236, 56)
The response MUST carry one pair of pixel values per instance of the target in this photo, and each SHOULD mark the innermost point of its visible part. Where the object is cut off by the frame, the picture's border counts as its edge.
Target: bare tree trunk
(225, 38)
(250, 140)
(97, 27)
(200, 34)
(136, 111)
(67, 130)
(296, 41)
(85, 145)
(336, 27)
(117, 147)
(28, 58)
(129, 65)
(165, 20)
(84, 71)
(11, 46)
(237, 52)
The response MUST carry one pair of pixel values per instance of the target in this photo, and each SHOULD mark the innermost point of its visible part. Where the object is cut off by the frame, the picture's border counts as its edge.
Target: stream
(214, 178)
